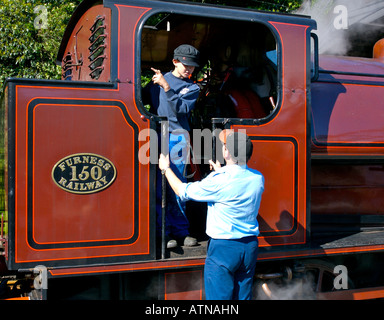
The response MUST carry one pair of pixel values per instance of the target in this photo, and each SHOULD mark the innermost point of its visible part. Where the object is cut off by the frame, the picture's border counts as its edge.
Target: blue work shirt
(177, 103)
(233, 194)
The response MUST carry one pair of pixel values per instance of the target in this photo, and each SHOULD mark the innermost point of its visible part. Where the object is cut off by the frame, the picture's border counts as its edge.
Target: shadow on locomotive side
(314, 120)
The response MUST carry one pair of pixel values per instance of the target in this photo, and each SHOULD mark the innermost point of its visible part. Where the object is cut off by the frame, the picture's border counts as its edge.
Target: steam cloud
(296, 289)
(332, 23)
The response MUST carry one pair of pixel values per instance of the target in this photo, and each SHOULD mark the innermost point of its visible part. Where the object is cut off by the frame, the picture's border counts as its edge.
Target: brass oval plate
(84, 173)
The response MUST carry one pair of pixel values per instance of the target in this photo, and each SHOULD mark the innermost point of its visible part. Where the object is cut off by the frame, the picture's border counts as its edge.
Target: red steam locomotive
(81, 203)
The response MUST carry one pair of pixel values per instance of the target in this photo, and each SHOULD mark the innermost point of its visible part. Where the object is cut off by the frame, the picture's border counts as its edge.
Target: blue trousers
(230, 268)
(176, 222)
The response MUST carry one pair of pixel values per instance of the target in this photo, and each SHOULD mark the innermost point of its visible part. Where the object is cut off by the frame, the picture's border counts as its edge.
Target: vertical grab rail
(164, 150)
(2, 233)
(2, 227)
(163, 207)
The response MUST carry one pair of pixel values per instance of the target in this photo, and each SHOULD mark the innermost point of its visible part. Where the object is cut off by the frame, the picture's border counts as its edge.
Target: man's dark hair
(239, 146)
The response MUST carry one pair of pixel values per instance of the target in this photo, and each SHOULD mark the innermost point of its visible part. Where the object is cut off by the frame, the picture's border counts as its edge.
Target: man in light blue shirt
(233, 194)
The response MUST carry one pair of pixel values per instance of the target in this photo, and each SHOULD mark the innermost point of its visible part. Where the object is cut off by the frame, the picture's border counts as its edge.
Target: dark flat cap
(187, 55)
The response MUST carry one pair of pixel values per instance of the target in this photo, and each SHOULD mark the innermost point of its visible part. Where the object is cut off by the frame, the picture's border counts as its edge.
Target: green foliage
(30, 34)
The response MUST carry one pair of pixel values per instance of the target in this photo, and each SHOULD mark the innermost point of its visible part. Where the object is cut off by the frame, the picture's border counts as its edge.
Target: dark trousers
(230, 268)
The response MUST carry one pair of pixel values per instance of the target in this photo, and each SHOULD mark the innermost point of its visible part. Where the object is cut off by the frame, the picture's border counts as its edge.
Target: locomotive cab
(237, 76)
(241, 70)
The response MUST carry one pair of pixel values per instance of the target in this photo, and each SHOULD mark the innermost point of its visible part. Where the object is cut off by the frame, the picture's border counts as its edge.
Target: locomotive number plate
(84, 173)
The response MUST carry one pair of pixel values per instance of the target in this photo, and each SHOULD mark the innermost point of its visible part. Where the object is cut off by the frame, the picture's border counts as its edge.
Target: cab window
(238, 66)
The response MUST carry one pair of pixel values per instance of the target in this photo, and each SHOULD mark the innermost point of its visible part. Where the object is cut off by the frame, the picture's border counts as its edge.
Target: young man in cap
(176, 99)
(179, 94)
(233, 194)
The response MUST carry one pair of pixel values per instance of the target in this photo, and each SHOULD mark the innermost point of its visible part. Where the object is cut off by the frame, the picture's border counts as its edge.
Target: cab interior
(238, 64)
